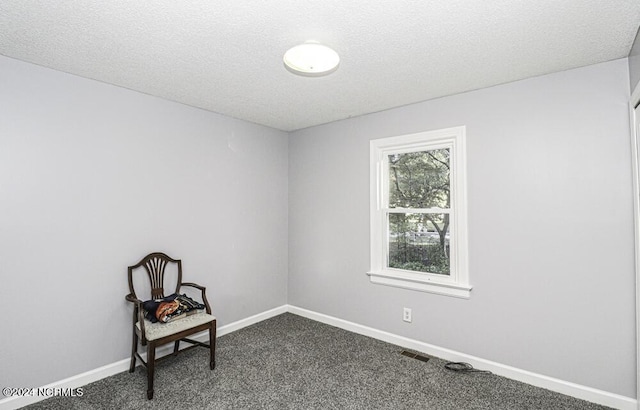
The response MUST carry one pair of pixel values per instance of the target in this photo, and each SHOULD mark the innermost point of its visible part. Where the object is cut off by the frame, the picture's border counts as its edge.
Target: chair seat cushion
(159, 330)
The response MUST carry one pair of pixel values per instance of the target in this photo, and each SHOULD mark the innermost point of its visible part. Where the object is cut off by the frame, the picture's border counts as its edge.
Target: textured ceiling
(226, 56)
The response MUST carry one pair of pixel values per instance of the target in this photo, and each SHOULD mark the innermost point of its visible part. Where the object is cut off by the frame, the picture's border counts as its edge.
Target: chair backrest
(155, 264)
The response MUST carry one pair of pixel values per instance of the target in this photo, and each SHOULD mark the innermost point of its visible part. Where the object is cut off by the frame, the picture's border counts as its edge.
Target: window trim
(457, 282)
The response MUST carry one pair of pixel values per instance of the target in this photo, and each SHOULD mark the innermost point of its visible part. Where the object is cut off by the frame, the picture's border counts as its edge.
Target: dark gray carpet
(289, 362)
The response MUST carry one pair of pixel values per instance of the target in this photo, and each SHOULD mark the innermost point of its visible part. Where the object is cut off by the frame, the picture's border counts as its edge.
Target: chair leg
(212, 346)
(176, 347)
(134, 349)
(151, 358)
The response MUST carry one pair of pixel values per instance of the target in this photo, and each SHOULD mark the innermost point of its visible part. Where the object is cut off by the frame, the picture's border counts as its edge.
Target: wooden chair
(156, 334)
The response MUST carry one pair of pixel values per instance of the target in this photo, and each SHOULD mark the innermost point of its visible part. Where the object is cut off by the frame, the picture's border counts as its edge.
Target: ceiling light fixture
(311, 60)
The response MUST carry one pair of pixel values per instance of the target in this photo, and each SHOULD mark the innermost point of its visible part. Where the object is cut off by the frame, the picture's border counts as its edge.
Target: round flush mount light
(311, 60)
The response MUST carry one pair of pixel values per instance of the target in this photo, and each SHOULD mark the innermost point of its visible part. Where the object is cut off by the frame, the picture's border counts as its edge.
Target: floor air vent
(414, 356)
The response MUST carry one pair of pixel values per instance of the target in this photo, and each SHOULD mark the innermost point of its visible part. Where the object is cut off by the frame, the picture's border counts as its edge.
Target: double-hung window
(418, 212)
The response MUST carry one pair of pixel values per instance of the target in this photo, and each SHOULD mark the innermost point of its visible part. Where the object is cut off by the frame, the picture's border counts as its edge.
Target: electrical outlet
(406, 315)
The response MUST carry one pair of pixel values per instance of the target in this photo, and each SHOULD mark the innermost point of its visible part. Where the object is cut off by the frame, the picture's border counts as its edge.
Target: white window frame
(457, 282)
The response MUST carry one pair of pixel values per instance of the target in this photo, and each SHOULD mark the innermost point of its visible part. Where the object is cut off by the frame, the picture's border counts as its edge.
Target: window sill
(407, 280)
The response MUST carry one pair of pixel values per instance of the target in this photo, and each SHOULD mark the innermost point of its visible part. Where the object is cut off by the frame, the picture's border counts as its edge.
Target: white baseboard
(570, 389)
(11, 403)
(232, 327)
(72, 382)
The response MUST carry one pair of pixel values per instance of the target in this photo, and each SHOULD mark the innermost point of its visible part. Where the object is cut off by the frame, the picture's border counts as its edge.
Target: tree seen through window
(418, 213)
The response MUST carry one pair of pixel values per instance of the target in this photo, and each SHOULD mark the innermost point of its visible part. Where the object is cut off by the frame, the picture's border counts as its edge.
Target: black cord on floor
(463, 368)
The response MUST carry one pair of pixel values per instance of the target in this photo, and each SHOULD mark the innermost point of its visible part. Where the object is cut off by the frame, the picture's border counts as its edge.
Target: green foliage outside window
(419, 241)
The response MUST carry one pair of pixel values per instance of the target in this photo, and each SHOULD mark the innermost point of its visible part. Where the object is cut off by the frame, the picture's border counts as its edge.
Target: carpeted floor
(289, 362)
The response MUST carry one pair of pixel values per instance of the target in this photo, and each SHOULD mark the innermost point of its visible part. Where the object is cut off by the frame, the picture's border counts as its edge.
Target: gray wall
(634, 63)
(92, 178)
(550, 227)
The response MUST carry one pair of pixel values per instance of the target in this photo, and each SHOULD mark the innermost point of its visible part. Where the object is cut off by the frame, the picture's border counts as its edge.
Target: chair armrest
(193, 285)
(133, 299)
(202, 290)
(137, 314)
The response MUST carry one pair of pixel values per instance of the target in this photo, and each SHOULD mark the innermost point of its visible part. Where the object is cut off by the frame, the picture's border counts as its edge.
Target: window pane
(419, 242)
(419, 179)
